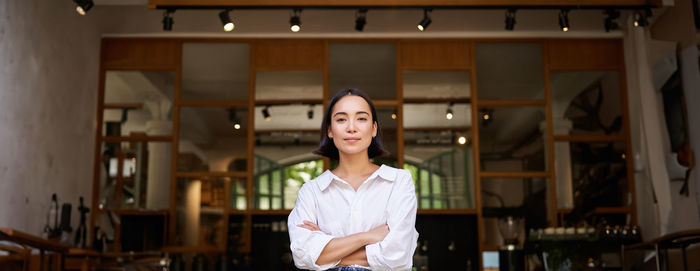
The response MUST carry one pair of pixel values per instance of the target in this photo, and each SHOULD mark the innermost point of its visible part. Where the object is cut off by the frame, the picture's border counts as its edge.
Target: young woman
(359, 216)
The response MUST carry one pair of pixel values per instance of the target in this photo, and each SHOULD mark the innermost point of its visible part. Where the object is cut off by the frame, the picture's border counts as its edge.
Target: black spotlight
(641, 18)
(233, 118)
(83, 6)
(486, 116)
(226, 21)
(426, 20)
(564, 20)
(168, 20)
(295, 21)
(266, 113)
(610, 23)
(360, 19)
(510, 19)
(310, 113)
(449, 114)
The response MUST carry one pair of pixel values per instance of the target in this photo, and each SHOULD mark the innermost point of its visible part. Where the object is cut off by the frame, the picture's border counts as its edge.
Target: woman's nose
(351, 126)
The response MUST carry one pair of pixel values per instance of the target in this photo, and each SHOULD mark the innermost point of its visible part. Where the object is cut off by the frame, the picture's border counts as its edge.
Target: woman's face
(352, 128)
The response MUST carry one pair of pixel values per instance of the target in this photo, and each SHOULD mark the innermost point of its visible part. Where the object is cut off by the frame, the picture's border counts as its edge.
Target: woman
(359, 216)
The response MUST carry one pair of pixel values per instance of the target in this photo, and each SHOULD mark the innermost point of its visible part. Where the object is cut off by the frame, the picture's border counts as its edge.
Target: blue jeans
(348, 268)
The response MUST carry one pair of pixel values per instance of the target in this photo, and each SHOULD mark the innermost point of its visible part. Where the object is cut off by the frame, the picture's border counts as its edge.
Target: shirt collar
(385, 172)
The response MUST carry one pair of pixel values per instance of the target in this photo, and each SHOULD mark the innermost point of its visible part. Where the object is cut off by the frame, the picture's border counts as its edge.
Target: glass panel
(387, 119)
(141, 169)
(434, 115)
(200, 212)
(593, 175)
(238, 196)
(515, 197)
(209, 140)
(586, 103)
(370, 67)
(436, 84)
(289, 117)
(511, 139)
(436, 157)
(138, 103)
(283, 163)
(295, 176)
(288, 85)
(509, 71)
(215, 70)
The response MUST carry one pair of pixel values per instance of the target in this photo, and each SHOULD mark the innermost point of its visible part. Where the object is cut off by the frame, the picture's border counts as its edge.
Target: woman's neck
(354, 165)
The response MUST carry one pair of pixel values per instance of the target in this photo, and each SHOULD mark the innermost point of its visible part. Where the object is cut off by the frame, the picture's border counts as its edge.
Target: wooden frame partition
(165, 54)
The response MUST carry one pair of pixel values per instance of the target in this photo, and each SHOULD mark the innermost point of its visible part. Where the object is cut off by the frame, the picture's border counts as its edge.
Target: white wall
(49, 62)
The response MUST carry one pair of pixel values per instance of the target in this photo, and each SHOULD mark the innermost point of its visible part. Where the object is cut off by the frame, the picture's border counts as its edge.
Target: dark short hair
(327, 147)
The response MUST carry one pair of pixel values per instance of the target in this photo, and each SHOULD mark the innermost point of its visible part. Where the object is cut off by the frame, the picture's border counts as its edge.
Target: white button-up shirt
(386, 197)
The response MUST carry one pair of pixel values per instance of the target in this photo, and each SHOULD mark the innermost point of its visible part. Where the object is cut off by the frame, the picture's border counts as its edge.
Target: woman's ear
(330, 134)
(374, 129)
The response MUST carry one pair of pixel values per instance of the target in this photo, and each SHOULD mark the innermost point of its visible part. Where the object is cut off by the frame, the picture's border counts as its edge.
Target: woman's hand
(309, 226)
(377, 234)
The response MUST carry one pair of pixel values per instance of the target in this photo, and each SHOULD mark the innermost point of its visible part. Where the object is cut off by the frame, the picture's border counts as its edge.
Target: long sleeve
(395, 252)
(306, 245)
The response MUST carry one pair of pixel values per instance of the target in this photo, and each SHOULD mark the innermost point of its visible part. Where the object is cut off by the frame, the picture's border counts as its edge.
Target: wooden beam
(404, 3)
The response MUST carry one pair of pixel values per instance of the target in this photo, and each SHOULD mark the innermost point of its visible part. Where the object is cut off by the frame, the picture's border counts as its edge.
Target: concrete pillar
(159, 155)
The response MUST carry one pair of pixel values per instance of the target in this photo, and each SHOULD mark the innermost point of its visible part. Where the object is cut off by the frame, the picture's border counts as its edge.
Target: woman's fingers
(309, 226)
(312, 225)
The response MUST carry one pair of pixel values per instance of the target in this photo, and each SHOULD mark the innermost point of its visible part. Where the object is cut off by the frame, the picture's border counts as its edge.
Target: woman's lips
(352, 139)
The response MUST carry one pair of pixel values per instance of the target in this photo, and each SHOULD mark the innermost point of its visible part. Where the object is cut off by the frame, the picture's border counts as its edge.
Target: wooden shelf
(123, 106)
(199, 174)
(436, 100)
(446, 211)
(288, 102)
(506, 103)
(270, 212)
(522, 174)
(136, 138)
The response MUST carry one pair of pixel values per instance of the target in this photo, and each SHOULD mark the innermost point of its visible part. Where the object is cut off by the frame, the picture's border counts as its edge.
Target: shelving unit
(406, 77)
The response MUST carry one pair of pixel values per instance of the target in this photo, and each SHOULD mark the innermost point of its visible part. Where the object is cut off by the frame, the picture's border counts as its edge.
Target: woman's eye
(339, 120)
(363, 119)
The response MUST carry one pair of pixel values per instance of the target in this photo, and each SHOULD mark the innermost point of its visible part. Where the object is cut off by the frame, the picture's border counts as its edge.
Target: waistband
(349, 268)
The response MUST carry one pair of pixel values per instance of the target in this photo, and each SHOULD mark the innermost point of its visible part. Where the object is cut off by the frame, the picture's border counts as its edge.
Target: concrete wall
(49, 63)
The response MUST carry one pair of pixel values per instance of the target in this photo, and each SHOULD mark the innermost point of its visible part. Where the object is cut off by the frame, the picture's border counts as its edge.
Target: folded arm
(350, 248)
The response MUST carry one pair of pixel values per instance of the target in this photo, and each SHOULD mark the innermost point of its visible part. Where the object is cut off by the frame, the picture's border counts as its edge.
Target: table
(681, 239)
(28, 240)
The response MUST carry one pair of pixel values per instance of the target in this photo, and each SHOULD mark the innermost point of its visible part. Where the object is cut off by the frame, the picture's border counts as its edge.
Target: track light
(295, 22)
(486, 116)
(394, 115)
(610, 23)
(360, 19)
(641, 18)
(266, 113)
(564, 20)
(310, 113)
(426, 20)
(462, 140)
(449, 114)
(83, 6)
(226, 21)
(510, 19)
(233, 118)
(168, 20)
